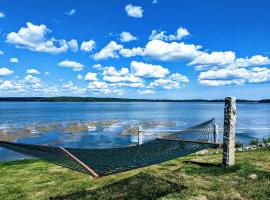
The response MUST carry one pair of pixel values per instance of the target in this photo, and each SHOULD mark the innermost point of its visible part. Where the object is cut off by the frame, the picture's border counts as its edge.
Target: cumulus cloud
(127, 37)
(112, 75)
(73, 45)
(136, 51)
(174, 81)
(9, 86)
(125, 84)
(79, 76)
(76, 66)
(111, 71)
(90, 77)
(5, 72)
(88, 46)
(146, 92)
(33, 71)
(103, 88)
(134, 11)
(253, 61)
(70, 12)
(33, 81)
(127, 78)
(237, 76)
(97, 66)
(148, 70)
(13, 60)
(109, 51)
(2, 52)
(165, 51)
(33, 37)
(154, 1)
(204, 60)
(161, 35)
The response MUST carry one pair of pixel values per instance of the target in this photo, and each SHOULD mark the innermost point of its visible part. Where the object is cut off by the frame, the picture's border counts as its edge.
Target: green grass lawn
(190, 177)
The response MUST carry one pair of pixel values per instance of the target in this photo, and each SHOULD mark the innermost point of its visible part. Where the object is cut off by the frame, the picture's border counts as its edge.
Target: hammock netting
(109, 161)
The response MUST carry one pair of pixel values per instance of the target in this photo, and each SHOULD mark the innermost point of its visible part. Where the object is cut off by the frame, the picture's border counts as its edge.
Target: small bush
(238, 144)
(254, 141)
(266, 140)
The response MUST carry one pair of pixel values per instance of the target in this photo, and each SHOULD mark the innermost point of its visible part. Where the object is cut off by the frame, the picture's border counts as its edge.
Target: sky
(173, 49)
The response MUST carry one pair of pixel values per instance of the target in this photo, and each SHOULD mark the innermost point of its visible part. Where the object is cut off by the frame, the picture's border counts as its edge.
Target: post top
(230, 98)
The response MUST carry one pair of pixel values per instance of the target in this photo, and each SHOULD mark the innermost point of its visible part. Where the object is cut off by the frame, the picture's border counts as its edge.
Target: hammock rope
(102, 162)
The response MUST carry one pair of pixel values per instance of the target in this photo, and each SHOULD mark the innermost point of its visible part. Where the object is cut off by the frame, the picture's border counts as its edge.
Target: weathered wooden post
(229, 131)
(215, 133)
(140, 135)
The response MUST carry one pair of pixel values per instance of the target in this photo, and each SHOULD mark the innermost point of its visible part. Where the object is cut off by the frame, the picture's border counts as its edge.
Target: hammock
(102, 162)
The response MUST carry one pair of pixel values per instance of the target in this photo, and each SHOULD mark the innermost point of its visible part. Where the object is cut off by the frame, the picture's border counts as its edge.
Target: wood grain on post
(229, 131)
(215, 133)
(140, 135)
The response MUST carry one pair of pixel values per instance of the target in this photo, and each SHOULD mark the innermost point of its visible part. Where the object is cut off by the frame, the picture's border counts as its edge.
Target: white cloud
(13, 60)
(204, 60)
(171, 82)
(146, 92)
(73, 45)
(32, 71)
(47, 73)
(70, 12)
(97, 85)
(134, 11)
(161, 35)
(154, 1)
(165, 83)
(164, 51)
(178, 77)
(136, 51)
(103, 87)
(2, 15)
(108, 51)
(148, 70)
(88, 45)
(79, 76)
(127, 37)
(111, 71)
(33, 37)
(76, 66)
(256, 60)
(9, 86)
(126, 78)
(97, 66)
(237, 76)
(221, 82)
(90, 77)
(33, 81)
(2, 52)
(125, 84)
(5, 72)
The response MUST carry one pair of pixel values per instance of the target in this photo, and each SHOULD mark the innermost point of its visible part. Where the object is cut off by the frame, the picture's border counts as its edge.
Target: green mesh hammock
(102, 162)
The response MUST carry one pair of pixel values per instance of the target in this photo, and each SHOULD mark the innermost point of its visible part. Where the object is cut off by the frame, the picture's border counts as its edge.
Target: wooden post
(140, 135)
(215, 133)
(229, 131)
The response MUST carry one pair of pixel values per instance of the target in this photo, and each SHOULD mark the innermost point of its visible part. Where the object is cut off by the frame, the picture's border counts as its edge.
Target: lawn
(190, 177)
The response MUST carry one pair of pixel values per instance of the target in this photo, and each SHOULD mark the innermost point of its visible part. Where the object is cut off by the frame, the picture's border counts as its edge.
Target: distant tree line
(98, 99)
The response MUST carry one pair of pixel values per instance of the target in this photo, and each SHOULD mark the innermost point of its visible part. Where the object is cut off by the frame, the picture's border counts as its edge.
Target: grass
(191, 177)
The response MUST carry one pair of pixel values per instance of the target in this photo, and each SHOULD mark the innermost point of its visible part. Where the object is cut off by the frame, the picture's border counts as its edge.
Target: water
(253, 121)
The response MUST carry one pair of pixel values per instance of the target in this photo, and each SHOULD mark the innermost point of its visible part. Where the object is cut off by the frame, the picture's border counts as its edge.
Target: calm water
(253, 121)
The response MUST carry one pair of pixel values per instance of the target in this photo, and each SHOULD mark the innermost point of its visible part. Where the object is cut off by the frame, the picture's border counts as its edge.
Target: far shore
(99, 99)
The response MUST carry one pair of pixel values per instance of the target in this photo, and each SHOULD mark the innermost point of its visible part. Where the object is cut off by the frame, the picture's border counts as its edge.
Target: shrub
(266, 140)
(238, 144)
(254, 141)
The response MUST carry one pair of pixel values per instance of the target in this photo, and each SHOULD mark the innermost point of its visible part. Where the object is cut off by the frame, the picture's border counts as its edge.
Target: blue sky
(135, 49)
